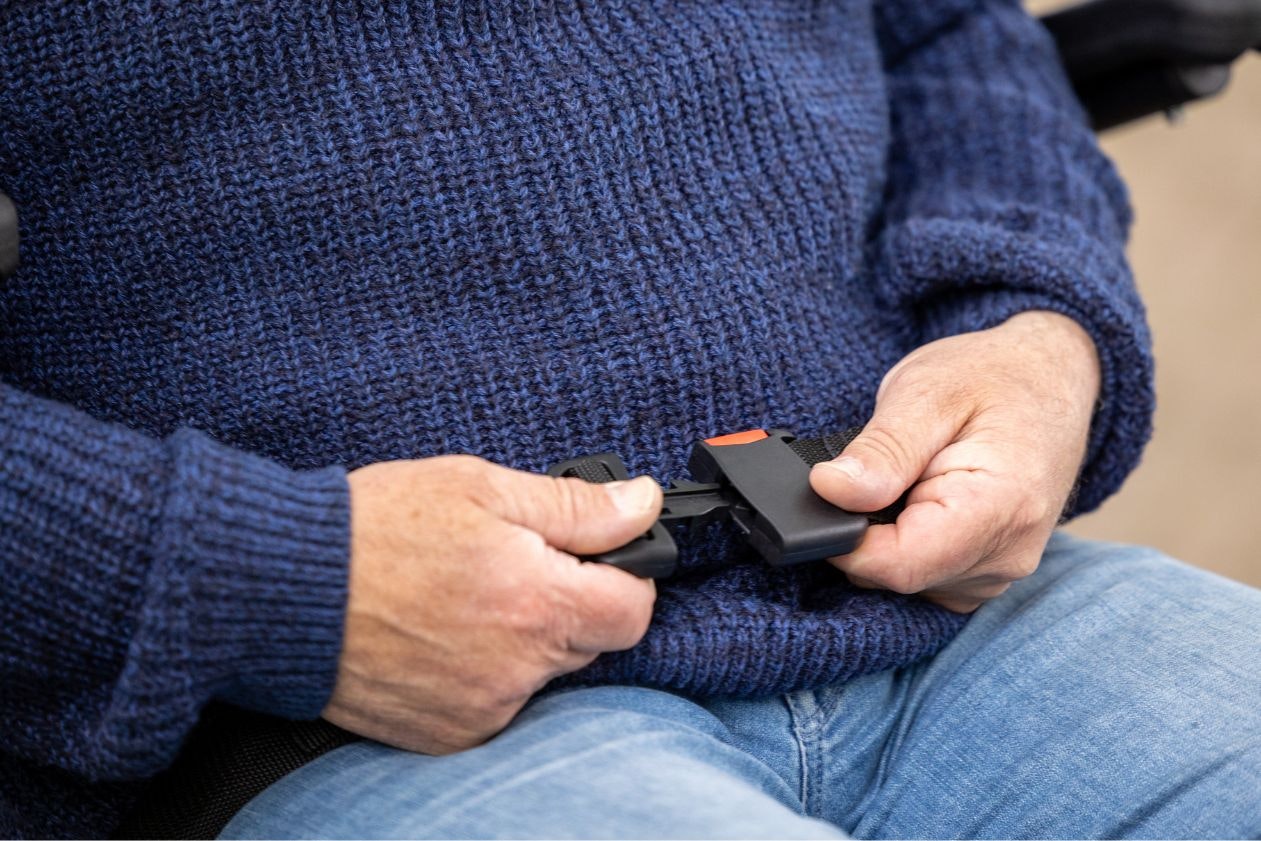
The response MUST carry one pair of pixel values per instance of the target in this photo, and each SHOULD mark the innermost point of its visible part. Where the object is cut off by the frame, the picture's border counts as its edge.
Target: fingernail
(850, 466)
(632, 498)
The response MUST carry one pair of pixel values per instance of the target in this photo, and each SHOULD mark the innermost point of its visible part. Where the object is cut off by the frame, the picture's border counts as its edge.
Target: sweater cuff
(269, 554)
(1008, 272)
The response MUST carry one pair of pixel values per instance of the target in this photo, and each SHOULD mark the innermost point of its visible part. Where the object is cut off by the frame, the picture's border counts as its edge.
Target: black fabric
(230, 757)
(828, 447)
(591, 470)
(824, 448)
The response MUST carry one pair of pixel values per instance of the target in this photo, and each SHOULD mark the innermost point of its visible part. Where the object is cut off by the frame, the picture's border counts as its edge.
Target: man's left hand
(990, 428)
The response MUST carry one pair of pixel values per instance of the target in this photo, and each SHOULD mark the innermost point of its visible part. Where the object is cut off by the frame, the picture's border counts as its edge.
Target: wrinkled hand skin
(466, 596)
(990, 428)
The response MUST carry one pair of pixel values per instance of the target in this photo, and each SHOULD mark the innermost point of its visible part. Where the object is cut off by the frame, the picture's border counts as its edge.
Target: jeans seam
(805, 729)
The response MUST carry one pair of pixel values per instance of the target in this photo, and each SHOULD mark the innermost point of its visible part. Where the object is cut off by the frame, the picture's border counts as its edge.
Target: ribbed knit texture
(326, 234)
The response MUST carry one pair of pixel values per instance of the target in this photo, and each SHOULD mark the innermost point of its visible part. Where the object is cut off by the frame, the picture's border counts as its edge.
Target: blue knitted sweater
(266, 241)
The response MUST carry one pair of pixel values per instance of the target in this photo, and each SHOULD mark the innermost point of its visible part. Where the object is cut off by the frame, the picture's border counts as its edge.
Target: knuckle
(493, 703)
(862, 582)
(955, 401)
(996, 590)
(570, 499)
(979, 595)
(518, 545)
(989, 513)
(515, 700)
(454, 739)
(626, 617)
(533, 616)
(1040, 512)
(460, 465)
(488, 484)
(1032, 512)
(915, 383)
(888, 447)
(1022, 566)
(958, 604)
(575, 662)
(636, 621)
(556, 507)
(643, 618)
(465, 476)
(902, 376)
(905, 579)
(525, 617)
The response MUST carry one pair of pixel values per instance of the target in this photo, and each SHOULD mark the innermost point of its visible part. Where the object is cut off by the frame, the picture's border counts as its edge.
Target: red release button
(746, 437)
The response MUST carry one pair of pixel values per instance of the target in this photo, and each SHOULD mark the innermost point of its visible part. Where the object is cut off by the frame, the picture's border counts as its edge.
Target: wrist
(267, 551)
(1062, 343)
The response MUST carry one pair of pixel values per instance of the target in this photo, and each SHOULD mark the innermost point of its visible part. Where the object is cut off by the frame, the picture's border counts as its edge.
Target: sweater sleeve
(140, 578)
(999, 201)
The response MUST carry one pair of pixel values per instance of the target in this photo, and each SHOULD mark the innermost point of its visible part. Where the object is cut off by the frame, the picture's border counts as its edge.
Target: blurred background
(1196, 252)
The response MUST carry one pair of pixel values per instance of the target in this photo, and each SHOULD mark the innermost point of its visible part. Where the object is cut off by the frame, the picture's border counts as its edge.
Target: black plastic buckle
(653, 555)
(760, 483)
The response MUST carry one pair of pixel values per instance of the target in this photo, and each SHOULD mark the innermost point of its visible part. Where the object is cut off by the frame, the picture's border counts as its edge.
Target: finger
(863, 583)
(909, 427)
(571, 514)
(949, 525)
(612, 609)
(965, 599)
(961, 596)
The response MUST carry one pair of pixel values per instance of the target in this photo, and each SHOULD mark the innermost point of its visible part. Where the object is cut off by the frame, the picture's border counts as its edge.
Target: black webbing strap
(825, 447)
(231, 756)
(828, 447)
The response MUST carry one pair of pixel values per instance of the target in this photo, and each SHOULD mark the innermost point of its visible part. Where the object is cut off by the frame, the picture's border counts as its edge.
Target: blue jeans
(1114, 693)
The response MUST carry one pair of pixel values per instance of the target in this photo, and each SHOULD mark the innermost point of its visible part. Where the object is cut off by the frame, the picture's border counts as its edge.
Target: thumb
(574, 515)
(890, 454)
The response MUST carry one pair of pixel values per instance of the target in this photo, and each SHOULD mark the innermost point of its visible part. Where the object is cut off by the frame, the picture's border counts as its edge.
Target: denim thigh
(1115, 693)
(611, 762)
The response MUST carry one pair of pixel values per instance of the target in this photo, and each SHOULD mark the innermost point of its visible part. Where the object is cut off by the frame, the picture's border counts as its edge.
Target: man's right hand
(465, 599)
